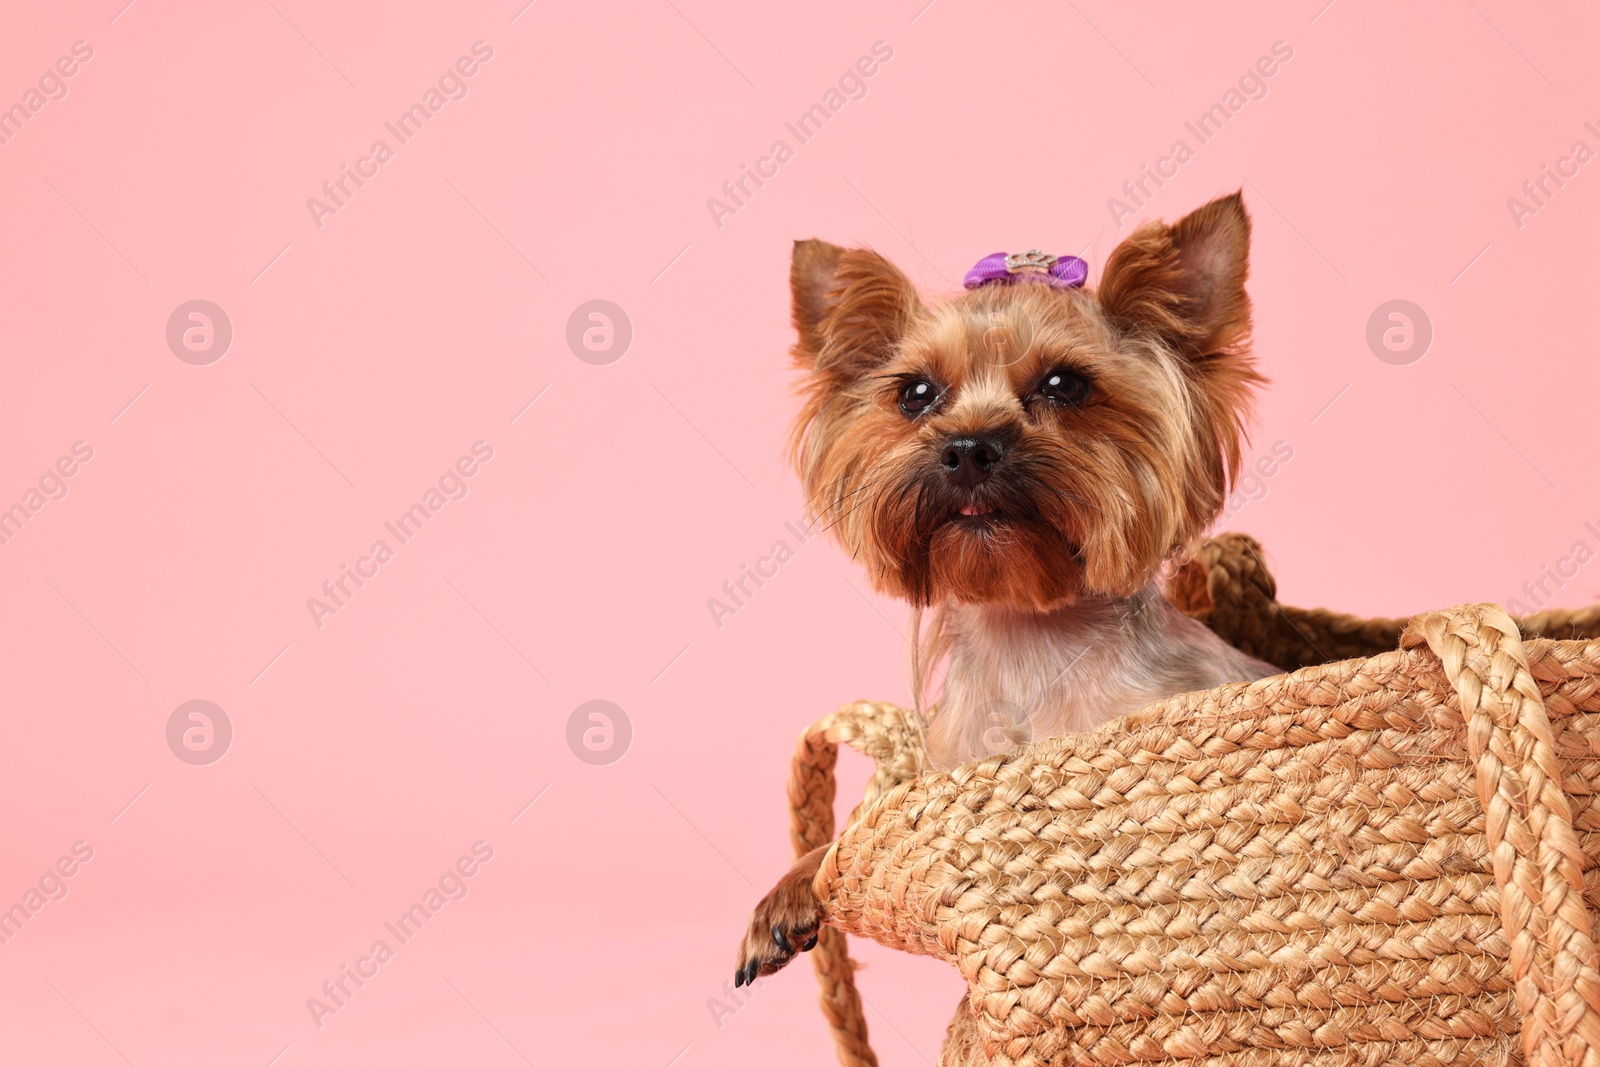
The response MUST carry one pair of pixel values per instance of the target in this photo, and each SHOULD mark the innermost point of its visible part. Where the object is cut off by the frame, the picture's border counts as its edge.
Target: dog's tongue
(976, 509)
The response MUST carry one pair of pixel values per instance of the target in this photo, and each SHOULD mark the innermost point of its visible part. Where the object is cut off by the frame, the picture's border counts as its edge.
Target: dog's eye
(916, 395)
(1064, 387)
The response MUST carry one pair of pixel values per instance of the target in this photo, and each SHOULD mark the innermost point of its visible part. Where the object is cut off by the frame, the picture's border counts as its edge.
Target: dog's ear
(812, 270)
(1184, 284)
(851, 307)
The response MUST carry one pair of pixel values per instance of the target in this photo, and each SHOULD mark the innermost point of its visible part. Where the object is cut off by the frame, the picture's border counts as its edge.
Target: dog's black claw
(811, 943)
(751, 972)
(781, 941)
(738, 977)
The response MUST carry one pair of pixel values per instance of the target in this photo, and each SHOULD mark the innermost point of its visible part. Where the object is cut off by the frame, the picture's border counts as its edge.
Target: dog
(1022, 460)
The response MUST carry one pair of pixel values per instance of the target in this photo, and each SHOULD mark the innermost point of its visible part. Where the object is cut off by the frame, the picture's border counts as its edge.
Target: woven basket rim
(1488, 664)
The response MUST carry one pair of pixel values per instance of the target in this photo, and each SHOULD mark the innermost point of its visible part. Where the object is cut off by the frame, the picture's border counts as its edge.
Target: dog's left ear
(1184, 284)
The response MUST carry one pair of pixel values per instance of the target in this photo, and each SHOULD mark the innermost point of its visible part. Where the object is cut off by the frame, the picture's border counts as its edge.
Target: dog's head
(1023, 444)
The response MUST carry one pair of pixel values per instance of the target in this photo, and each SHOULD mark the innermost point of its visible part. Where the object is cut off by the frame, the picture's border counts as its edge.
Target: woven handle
(888, 735)
(1538, 863)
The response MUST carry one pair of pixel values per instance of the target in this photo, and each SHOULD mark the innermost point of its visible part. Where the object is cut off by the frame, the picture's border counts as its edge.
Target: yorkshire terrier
(1022, 460)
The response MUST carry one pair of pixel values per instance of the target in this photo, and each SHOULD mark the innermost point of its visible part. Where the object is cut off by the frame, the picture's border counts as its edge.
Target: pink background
(370, 353)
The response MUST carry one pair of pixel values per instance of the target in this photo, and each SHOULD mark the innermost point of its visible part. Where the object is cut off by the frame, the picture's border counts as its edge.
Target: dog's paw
(785, 922)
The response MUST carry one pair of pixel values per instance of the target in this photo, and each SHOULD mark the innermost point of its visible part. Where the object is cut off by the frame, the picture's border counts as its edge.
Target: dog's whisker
(839, 503)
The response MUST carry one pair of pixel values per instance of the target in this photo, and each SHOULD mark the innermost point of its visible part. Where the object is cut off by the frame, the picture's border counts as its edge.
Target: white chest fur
(1015, 677)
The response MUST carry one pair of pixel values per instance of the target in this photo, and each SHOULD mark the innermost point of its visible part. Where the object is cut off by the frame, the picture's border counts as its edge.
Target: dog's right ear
(811, 273)
(851, 307)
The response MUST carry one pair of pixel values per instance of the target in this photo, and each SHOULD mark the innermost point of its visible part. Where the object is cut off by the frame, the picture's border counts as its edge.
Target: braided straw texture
(1389, 859)
(889, 735)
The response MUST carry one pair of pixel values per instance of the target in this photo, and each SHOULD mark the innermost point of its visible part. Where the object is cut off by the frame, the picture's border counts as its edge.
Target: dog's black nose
(968, 460)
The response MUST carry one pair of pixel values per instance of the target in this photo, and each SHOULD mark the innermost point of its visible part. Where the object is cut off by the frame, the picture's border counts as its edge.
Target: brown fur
(1100, 494)
(1047, 609)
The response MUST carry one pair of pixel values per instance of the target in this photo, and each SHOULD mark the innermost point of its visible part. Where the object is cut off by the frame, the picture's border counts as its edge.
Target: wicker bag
(1386, 859)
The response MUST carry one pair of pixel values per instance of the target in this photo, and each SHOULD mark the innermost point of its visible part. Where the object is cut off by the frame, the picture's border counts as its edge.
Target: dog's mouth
(994, 543)
(977, 516)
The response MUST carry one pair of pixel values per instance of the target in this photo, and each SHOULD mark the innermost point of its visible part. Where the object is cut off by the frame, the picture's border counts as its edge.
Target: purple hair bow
(1059, 272)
